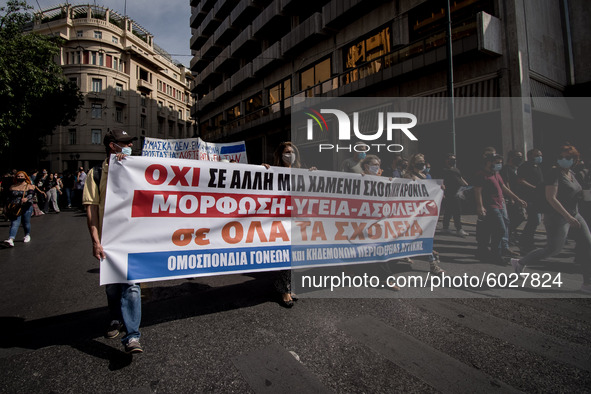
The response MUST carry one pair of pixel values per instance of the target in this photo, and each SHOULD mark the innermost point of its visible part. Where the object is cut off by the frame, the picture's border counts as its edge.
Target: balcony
(338, 13)
(143, 84)
(241, 76)
(224, 61)
(243, 42)
(210, 24)
(225, 33)
(267, 58)
(197, 41)
(222, 90)
(270, 21)
(210, 50)
(305, 33)
(119, 99)
(197, 16)
(243, 13)
(222, 8)
(208, 74)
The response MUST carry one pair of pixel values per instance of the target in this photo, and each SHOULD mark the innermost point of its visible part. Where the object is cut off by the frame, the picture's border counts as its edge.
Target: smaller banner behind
(195, 149)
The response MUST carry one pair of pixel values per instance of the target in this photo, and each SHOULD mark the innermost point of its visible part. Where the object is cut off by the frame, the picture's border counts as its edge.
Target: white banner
(195, 148)
(171, 218)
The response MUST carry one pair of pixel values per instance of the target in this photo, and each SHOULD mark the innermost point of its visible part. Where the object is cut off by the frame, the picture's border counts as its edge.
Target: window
(121, 65)
(180, 114)
(143, 121)
(119, 114)
(115, 40)
(188, 115)
(160, 105)
(253, 103)
(100, 59)
(97, 111)
(160, 125)
(93, 58)
(279, 92)
(79, 33)
(143, 99)
(119, 89)
(144, 75)
(218, 120)
(115, 63)
(95, 136)
(97, 85)
(98, 34)
(320, 72)
(76, 59)
(368, 49)
(233, 113)
(72, 136)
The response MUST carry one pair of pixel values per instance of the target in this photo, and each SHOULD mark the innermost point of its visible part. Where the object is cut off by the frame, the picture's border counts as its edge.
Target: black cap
(117, 135)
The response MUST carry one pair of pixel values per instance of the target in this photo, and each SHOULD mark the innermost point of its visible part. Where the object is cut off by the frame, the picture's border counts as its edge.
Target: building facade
(128, 82)
(253, 59)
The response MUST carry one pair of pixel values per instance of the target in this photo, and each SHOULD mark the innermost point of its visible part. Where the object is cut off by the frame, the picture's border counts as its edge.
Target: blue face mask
(496, 167)
(361, 155)
(538, 160)
(126, 150)
(565, 163)
(427, 170)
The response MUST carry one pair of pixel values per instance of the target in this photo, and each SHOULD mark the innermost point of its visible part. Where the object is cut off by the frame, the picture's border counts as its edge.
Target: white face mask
(125, 150)
(374, 170)
(288, 158)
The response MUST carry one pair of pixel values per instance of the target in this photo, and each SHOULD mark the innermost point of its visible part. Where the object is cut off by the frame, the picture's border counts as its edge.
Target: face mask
(538, 160)
(420, 166)
(374, 170)
(125, 150)
(361, 155)
(496, 167)
(565, 163)
(19, 180)
(517, 161)
(288, 158)
(427, 170)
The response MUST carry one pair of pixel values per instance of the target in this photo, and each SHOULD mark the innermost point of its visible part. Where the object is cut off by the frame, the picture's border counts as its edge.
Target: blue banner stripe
(232, 149)
(151, 265)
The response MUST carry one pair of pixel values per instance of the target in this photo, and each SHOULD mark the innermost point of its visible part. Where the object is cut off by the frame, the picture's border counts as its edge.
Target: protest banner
(172, 218)
(194, 148)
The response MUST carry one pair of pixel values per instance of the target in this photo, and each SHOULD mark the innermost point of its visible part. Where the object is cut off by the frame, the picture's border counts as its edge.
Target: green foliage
(35, 97)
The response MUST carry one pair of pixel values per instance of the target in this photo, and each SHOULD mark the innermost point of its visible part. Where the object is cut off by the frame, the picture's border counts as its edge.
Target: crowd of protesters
(507, 193)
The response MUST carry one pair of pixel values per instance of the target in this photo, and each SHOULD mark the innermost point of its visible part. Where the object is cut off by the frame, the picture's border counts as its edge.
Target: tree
(35, 97)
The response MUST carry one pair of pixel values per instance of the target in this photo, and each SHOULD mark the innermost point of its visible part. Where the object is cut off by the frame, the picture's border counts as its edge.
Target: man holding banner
(124, 300)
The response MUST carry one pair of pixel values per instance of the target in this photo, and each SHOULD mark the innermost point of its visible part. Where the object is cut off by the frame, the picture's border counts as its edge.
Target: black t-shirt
(452, 179)
(532, 174)
(569, 190)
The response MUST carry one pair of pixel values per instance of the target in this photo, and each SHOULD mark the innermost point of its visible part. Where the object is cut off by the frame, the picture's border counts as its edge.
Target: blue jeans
(69, 194)
(25, 218)
(496, 225)
(125, 305)
(556, 231)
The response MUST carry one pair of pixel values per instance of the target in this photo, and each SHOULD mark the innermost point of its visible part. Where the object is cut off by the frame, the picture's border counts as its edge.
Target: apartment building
(127, 80)
(253, 59)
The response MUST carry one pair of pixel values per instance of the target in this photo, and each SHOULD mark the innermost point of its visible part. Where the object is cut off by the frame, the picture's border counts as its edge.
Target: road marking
(441, 371)
(526, 338)
(275, 370)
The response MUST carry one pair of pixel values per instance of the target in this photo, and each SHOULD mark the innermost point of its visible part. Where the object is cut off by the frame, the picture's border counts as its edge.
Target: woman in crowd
(563, 192)
(21, 192)
(286, 155)
(53, 188)
(416, 171)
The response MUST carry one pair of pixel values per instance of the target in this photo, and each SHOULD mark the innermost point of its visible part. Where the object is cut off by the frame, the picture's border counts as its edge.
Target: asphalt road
(229, 334)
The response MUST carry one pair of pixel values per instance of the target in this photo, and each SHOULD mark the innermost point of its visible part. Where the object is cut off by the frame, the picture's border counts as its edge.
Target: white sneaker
(27, 238)
(9, 242)
(461, 233)
(518, 268)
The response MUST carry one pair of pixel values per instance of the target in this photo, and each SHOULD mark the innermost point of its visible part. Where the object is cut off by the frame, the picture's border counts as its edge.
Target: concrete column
(516, 113)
